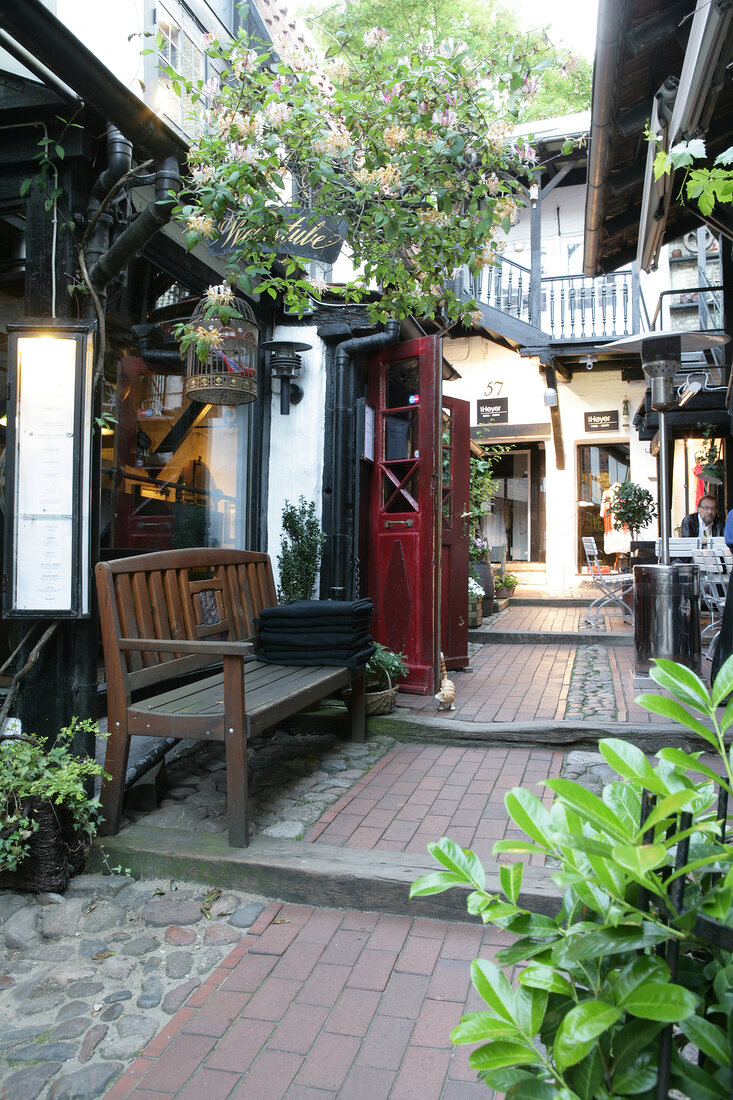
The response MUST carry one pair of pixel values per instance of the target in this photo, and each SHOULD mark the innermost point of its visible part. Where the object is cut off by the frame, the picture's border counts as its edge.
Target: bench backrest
(190, 594)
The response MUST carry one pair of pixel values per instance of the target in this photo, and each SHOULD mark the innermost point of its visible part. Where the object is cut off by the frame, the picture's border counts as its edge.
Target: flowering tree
(410, 158)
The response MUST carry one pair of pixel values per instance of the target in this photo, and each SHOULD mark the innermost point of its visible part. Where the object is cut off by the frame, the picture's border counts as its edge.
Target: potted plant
(632, 507)
(478, 555)
(383, 669)
(709, 465)
(475, 598)
(504, 586)
(47, 819)
(300, 551)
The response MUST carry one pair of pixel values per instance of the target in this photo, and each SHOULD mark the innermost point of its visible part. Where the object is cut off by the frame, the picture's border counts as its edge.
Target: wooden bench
(172, 615)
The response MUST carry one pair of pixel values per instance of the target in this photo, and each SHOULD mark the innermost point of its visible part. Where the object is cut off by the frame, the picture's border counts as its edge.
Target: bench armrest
(158, 645)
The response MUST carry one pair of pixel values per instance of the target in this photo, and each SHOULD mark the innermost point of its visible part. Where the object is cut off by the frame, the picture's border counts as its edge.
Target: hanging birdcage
(228, 375)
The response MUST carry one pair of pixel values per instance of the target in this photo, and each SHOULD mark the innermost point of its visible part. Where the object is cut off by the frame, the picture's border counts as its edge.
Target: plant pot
(376, 702)
(486, 579)
(504, 593)
(56, 852)
(474, 611)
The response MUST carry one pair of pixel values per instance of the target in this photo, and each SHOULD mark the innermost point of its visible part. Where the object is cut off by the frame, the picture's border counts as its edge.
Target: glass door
(512, 500)
(598, 468)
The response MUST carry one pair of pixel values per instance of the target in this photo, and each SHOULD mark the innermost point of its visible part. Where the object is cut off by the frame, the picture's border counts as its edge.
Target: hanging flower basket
(228, 374)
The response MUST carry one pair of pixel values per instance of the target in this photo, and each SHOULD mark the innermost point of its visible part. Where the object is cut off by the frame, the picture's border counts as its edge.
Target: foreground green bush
(633, 978)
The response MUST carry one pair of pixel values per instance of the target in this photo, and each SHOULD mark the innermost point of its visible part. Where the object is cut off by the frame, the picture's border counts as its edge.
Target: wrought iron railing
(575, 308)
(571, 307)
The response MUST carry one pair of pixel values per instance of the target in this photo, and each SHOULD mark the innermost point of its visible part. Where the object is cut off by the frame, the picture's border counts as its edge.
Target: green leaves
(580, 1028)
(662, 1001)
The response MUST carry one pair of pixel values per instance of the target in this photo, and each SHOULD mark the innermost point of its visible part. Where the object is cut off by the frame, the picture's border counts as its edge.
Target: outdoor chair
(714, 567)
(613, 588)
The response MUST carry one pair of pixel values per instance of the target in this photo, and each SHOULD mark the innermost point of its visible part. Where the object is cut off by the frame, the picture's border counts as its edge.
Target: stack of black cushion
(317, 632)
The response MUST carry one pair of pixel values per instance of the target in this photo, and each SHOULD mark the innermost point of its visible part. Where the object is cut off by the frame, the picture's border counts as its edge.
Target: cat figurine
(447, 693)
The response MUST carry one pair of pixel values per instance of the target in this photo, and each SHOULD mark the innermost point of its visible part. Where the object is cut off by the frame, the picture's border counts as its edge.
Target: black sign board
(309, 234)
(492, 410)
(601, 421)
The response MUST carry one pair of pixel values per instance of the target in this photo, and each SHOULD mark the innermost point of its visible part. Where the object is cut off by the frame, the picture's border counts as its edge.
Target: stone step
(546, 637)
(300, 872)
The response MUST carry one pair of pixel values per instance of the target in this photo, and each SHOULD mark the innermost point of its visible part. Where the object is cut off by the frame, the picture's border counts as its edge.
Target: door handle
(399, 523)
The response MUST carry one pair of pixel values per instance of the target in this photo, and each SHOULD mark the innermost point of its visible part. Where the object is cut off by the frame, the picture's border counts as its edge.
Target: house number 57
(493, 389)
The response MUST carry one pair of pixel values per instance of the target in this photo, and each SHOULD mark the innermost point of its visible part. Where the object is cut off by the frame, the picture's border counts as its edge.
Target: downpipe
(343, 535)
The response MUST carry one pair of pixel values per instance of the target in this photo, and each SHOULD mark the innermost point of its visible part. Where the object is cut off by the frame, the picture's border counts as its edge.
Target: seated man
(704, 522)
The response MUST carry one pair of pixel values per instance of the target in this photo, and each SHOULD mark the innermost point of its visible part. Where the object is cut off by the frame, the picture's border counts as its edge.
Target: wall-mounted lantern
(285, 364)
(625, 413)
(47, 568)
(228, 376)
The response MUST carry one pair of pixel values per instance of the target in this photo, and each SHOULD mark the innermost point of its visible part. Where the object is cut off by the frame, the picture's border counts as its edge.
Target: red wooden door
(405, 389)
(455, 476)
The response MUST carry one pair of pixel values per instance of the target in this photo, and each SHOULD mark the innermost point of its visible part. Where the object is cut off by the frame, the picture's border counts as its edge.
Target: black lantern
(285, 364)
(228, 375)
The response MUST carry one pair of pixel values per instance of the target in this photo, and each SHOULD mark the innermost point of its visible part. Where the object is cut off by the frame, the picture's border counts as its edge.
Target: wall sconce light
(551, 397)
(534, 194)
(49, 464)
(285, 364)
(625, 412)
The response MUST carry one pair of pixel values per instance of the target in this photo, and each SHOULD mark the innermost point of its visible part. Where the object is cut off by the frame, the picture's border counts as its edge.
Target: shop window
(174, 472)
(598, 468)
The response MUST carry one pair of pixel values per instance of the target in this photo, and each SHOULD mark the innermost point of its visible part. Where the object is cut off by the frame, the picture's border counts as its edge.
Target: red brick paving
(417, 793)
(384, 1032)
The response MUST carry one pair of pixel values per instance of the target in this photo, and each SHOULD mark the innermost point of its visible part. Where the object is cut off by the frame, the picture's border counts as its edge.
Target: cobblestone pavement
(88, 979)
(591, 693)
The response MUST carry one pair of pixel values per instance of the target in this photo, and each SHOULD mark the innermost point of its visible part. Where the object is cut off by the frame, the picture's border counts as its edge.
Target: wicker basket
(56, 852)
(377, 702)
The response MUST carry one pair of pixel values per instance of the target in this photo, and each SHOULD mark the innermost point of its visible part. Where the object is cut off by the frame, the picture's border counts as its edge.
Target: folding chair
(613, 589)
(713, 565)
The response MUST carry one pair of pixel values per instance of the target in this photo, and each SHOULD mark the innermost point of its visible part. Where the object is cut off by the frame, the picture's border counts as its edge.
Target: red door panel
(455, 476)
(404, 499)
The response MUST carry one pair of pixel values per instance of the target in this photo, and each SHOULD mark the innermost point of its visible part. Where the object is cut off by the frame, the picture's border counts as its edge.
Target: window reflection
(173, 471)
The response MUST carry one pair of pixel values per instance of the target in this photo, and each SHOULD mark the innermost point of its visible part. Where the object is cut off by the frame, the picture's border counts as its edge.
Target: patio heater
(666, 595)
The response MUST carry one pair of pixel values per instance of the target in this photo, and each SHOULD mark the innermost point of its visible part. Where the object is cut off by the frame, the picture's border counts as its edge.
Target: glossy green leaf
(585, 1077)
(670, 807)
(502, 1053)
(682, 682)
(494, 988)
(531, 1005)
(505, 1077)
(536, 1090)
(723, 685)
(459, 861)
(645, 968)
(616, 941)
(663, 1001)
(511, 879)
(512, 847)
(478, 1027)
(580, 1028)
(590, 806)
(529, 814)
(688, 761)
(435, 883)
(627, 760)
(670, 708)
(709, 1038)
(638, 1077)
(544, 977)
(696, 1082)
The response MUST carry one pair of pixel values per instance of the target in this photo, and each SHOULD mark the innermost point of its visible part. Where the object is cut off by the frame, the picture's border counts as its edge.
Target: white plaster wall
(481, 362)
(297, 440)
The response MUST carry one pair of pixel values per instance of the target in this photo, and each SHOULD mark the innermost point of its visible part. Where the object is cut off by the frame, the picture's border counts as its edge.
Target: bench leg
(358, 709)
(235, 740)
(115, 765)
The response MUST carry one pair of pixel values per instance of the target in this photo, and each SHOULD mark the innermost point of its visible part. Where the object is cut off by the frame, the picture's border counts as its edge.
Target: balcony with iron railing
(576, 309)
